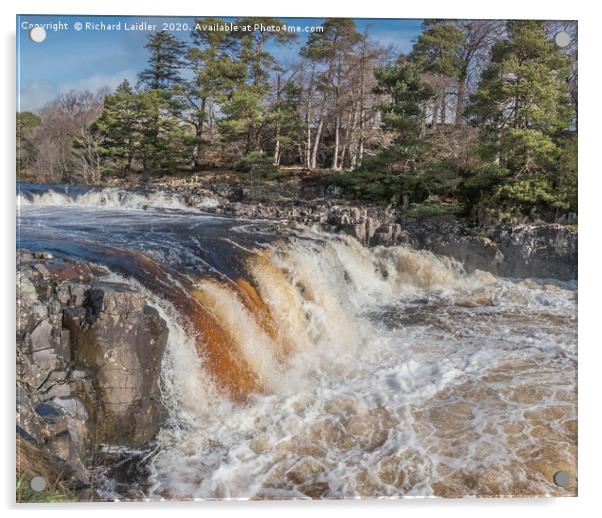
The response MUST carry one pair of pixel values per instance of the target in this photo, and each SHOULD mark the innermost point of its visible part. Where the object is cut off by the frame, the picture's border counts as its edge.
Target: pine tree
(253, 43)
(244, 116)
(406, 94)
(244, 107)
(215, 75)
(436, 53)
(523, 111)
(436, 49)
(164, 63)
(165, 141)
(285, 118)
(479, 37)
(397, 174)
(330, 48)
(119, 126)
(139, 126)
(27, 122)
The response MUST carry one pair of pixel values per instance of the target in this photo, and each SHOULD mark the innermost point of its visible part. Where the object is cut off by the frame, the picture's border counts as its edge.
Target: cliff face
(88, 364)
(538, 250)
(524, 250)
(547, 251)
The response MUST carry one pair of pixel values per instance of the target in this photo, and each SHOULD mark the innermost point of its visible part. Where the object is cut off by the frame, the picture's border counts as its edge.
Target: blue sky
(91, 59)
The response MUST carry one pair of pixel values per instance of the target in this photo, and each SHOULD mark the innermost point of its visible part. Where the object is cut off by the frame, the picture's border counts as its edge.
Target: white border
(590, 175)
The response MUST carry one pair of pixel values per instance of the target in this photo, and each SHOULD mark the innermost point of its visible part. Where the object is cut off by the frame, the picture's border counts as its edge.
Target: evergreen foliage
(479, 117)
(522, 108)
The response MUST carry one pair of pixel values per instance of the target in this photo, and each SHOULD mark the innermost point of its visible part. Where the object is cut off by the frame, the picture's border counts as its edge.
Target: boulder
(89, 356)
(120, 340)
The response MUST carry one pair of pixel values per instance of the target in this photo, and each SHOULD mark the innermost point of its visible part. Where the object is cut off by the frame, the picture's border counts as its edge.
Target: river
(302, 364)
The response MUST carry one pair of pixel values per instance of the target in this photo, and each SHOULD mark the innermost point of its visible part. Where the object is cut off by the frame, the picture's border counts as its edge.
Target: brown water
(301, 364)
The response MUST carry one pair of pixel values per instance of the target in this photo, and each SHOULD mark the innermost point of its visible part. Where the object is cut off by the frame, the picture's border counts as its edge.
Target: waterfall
(301, 364)
(115, 198)
(320, 397)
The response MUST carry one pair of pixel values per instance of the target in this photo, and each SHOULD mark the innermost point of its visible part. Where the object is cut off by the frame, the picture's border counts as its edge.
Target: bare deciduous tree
(63, 120)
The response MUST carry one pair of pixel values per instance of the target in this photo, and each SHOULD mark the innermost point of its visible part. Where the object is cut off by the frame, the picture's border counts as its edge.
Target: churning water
(301, 364)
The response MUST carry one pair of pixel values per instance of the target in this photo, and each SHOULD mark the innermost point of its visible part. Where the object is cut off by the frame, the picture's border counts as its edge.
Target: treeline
(478, 119)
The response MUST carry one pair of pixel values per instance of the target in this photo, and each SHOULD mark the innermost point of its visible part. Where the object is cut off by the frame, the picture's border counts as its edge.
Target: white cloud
(98, 81)
(35, 95)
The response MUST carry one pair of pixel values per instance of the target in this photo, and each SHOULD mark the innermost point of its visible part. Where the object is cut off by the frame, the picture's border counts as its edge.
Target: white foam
(383, 342)
(342, 410)
(114, 198)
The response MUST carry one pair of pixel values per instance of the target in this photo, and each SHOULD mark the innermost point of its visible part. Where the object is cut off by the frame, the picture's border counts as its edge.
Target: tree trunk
(358, 147)
(435, 113)
(314, 153)
(460, 102)
(199, 134)
(308, 146)
(308, 121)
(314, 156)
(277, 151)
(349, 134)
(335, 156)
(277, 145)
(337, 119)
(360, 154)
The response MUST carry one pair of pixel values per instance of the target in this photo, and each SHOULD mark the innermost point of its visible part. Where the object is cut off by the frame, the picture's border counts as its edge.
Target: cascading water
(108, 197)
(301, 364)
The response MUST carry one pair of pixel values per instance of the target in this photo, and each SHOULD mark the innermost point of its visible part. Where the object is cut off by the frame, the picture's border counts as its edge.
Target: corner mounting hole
(561, 478)
(37, 34)
(37, 484)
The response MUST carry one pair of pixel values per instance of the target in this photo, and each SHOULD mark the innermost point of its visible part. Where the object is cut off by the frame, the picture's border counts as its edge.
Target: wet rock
(41, 336)
(475, 253)
(45, 360)
(72, 407)
(357, 230)
(88, 362)
(537, 250)
(28, 424)
(542, 250)
(43, 255)
(545, 250)
(42, 270)
(74, 271)
(63, 348)
(121, 340)
(49, 413)
(56, 391)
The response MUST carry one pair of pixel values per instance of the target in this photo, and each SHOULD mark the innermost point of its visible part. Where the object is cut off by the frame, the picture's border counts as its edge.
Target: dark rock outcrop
(542, 250)
(537, 250)
(119, 341)
(88, 361)
(522, 250)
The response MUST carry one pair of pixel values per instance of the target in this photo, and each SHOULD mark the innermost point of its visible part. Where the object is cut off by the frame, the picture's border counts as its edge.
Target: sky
(93, 57)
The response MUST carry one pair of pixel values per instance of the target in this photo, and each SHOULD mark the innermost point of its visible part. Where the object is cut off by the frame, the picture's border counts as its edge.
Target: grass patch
(51, 495)
(432, 210)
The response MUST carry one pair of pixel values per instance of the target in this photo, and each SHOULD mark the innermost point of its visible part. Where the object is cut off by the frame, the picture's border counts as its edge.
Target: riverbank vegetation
(478, 120)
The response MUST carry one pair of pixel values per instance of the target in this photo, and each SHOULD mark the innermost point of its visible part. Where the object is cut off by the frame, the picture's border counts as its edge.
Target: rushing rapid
(301, 364)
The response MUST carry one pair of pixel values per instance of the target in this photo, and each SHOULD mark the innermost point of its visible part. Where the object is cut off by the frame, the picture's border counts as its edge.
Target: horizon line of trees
(480, 115)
